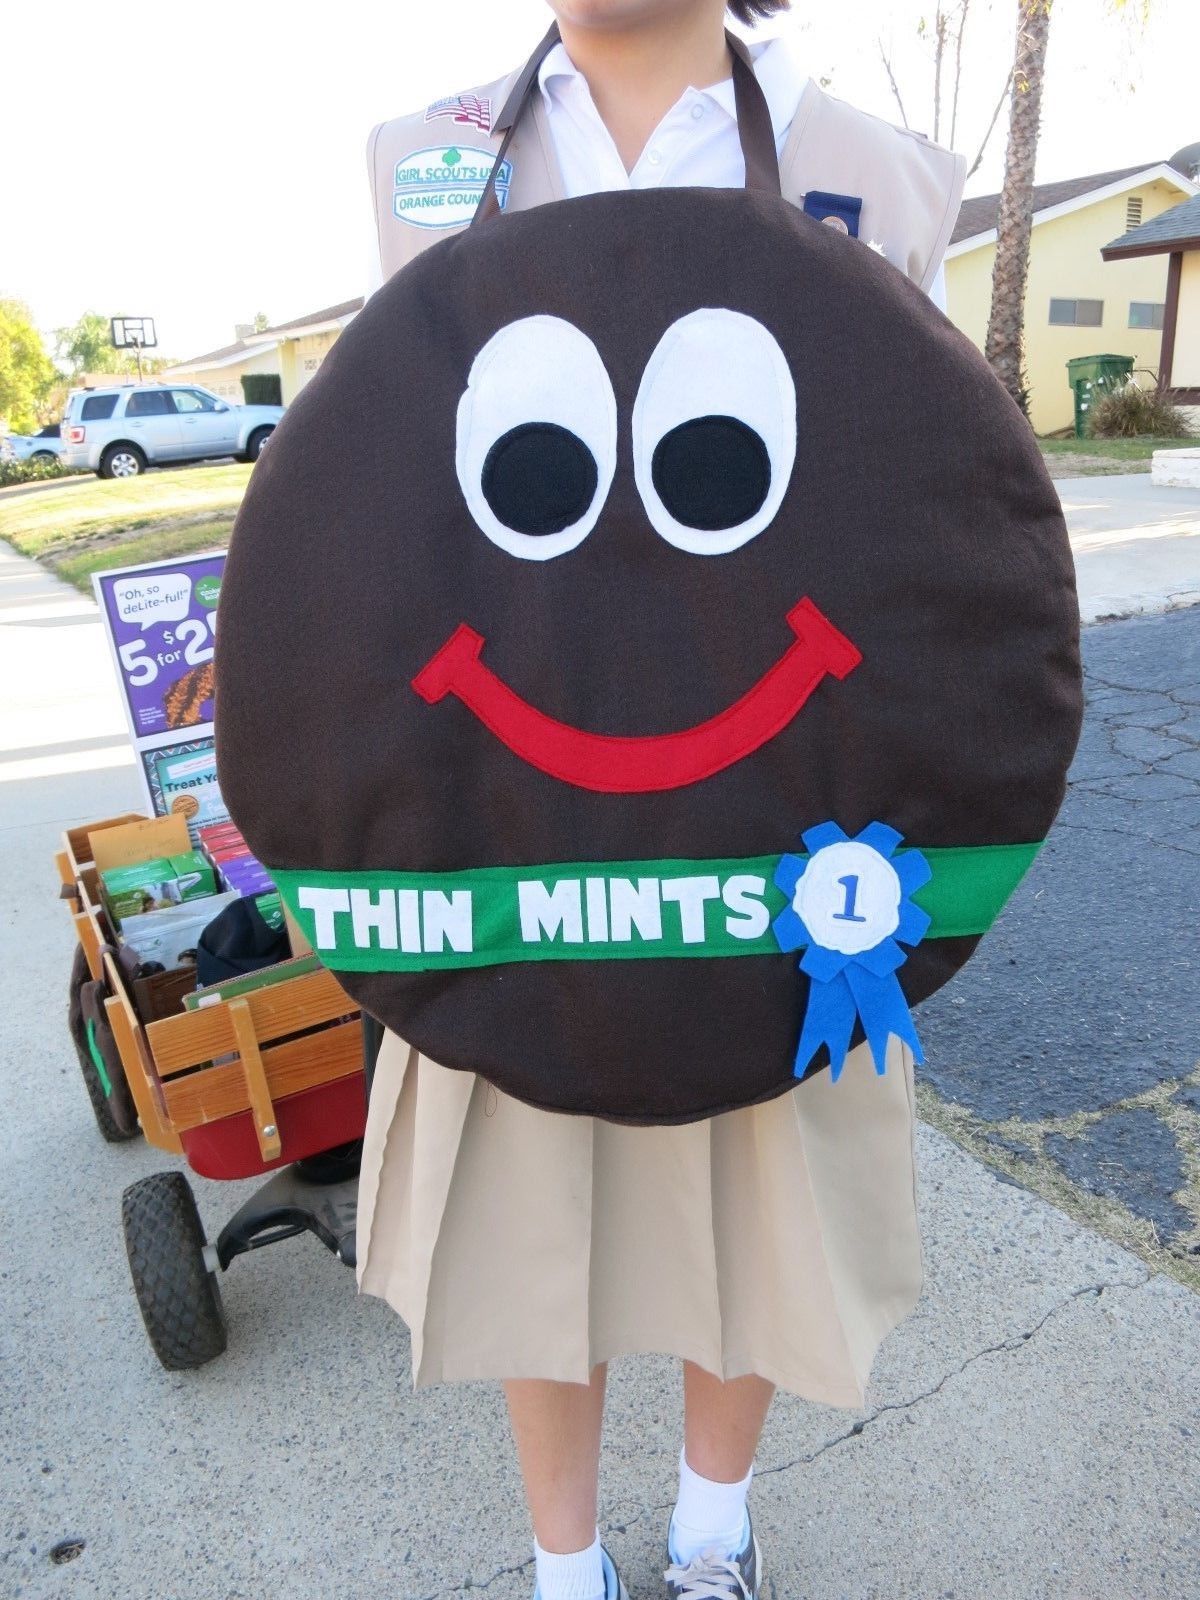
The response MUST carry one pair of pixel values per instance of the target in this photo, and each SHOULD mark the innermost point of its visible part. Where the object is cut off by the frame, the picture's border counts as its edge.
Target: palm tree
(1006, 324)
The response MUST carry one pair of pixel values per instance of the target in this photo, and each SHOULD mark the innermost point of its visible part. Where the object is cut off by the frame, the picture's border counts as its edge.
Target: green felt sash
(599, 910)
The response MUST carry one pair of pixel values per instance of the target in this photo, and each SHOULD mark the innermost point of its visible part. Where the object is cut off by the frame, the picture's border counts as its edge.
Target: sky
(199, 164)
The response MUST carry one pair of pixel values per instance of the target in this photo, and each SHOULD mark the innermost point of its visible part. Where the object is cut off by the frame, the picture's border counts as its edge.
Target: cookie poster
(182, 779)
(161, 622)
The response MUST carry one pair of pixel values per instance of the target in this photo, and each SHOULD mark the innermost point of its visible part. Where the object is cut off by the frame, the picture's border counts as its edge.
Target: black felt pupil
(711, 472)
(539, 478)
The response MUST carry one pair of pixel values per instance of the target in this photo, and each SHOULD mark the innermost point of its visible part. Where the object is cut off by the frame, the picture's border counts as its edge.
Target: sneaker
(614, 1589)
(711, 1576)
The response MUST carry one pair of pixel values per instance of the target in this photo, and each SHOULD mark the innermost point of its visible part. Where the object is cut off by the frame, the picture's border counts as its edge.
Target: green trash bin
(1088, 375)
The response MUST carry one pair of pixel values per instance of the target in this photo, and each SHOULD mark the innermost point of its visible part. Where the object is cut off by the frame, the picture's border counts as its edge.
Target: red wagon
(269, 1082)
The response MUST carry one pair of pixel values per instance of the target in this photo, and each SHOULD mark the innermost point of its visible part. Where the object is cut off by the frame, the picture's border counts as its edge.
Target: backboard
(133, 333)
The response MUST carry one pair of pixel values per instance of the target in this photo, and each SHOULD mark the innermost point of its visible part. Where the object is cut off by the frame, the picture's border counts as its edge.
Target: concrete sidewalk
(1032, 1429)
(1137, 547)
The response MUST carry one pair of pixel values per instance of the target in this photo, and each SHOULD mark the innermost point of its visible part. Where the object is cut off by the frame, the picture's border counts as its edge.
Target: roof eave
(301, 330)
(1160, 247)
(1162, 169)
(200, 364)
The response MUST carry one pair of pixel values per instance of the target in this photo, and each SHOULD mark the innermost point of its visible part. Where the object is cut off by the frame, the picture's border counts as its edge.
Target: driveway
(1137, 547)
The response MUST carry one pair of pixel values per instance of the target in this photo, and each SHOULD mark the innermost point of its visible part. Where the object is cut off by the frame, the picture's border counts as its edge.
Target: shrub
(30, 471)
(1129, 412)
(262, 389)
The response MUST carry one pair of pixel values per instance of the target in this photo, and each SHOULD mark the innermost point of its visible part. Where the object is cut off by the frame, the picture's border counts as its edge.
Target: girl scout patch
(439, 187)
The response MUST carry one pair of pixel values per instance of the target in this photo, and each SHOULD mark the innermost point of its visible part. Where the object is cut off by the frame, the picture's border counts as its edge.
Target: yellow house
(1075, 305)
(303, 343)
(222, 371)
(1176, 235)
(291, 350)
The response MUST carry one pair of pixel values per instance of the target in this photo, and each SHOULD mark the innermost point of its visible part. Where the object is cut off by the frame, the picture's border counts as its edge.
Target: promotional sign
(161, 620)
(182, 779)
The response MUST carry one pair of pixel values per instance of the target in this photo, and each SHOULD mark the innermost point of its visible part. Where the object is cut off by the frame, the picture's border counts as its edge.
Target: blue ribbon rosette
(850, 910)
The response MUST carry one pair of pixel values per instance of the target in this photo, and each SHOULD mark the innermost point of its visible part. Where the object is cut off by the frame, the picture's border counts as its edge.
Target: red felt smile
(611, 764)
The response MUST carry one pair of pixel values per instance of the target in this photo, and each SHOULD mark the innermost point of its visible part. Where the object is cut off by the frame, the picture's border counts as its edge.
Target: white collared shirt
(696, 143)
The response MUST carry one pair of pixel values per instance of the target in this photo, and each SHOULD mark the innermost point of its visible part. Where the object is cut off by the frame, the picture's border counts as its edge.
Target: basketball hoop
(134, 333)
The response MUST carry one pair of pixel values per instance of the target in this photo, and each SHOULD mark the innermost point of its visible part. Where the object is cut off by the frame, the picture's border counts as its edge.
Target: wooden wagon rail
(225, 1057)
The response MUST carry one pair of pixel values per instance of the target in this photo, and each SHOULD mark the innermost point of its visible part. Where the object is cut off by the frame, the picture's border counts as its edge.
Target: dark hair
(754, 10)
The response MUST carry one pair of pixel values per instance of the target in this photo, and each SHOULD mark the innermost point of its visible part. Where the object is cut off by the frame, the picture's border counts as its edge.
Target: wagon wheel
(176, 1289)
(97, 1077)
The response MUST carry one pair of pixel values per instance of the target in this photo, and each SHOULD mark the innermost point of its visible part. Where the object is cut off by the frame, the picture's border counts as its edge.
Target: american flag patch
(467, 109)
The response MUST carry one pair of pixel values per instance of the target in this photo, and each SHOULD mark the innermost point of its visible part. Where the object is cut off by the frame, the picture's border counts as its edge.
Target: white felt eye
(714, 431)
(536, 444)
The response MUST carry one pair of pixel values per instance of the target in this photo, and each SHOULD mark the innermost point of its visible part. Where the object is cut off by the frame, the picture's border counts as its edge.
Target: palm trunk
(1006, 325)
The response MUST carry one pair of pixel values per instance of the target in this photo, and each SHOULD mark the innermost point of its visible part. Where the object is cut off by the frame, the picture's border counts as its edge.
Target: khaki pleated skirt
(780, 1239)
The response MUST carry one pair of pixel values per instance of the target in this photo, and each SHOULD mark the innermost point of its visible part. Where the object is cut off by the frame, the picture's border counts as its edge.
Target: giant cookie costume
(649, 650)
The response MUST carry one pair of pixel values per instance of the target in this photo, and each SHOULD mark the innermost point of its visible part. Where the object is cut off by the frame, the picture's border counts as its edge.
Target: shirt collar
(775, 67)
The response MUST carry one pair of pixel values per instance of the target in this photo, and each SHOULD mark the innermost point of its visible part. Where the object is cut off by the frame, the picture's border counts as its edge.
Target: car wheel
(258, 438)
(43, 455)
(122, 461)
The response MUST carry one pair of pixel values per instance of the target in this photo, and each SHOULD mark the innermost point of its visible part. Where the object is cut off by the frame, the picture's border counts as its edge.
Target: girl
(775, 1245)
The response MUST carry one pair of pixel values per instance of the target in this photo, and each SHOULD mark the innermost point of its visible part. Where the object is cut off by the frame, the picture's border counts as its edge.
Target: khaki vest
(427, 172)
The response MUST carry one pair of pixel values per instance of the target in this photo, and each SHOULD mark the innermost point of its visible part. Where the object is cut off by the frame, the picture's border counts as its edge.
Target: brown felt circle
(918, 517)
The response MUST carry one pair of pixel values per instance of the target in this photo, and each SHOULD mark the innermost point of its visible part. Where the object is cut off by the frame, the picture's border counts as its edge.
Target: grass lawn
(1086, 458)
(80, 529)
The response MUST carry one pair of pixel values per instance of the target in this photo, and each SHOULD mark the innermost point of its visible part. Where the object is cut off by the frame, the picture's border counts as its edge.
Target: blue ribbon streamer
(845, 989)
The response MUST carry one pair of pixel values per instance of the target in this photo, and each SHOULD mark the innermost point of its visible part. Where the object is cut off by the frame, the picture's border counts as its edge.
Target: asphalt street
(1072, 1040)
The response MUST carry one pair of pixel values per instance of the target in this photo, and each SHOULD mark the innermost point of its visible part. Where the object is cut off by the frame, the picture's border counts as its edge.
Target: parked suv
(119, 432)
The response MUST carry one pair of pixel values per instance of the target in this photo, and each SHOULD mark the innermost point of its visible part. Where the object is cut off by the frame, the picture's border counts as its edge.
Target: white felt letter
(691, 894)
(447, 919)
(743, 895)
(635, 907)
(324, 905)
(546, 911)
(410, 921)
(597, 911)
(378, 914)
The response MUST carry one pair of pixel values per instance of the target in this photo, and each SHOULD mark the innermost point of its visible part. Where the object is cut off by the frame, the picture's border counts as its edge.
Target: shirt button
(697, 113)
(654, 157)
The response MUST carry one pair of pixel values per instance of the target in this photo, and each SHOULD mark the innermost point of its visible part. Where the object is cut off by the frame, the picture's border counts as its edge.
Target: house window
(1077, 313)
(311, 363)
(1133, 212)
(1145, 314)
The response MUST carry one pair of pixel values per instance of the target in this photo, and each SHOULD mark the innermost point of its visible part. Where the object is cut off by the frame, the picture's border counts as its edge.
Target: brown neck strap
(753, 120)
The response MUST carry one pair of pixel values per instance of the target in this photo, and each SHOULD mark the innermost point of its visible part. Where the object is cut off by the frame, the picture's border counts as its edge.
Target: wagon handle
(266, 1129)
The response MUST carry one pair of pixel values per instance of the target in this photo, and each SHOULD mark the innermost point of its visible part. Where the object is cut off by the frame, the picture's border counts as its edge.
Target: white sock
(575, 1577)
(708, 1515)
